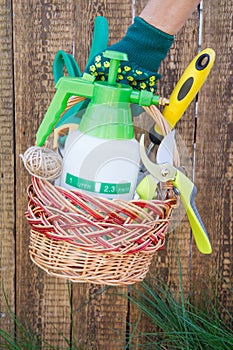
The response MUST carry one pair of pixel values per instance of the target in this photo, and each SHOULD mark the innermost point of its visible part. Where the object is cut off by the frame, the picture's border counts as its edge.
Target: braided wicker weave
(88, 239)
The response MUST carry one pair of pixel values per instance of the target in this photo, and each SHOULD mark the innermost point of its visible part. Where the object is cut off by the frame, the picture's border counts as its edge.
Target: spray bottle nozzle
(115, 58)
(100, 94)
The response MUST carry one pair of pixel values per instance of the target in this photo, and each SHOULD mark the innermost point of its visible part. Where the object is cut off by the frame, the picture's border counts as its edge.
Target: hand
(146, 46)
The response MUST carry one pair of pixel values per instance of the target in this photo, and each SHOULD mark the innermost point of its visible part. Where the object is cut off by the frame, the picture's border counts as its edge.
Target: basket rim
(110, 226)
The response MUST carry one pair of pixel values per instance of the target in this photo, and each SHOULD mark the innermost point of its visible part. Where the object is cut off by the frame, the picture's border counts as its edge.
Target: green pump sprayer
(102, 157)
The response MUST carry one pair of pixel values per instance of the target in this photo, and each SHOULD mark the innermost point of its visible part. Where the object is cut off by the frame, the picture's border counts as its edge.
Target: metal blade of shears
(166, 172)
(165, 152)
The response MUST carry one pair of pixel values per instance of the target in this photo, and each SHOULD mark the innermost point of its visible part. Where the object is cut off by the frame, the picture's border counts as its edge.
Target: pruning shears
(182, 95)
(167, 172)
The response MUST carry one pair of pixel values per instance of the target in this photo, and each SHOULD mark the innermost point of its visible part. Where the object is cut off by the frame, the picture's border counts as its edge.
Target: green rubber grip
(187, 194)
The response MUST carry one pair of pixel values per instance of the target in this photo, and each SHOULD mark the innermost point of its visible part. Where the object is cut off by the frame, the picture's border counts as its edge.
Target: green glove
(146, 46)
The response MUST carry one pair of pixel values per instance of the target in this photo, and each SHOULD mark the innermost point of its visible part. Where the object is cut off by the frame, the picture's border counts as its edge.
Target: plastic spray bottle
(101, 157)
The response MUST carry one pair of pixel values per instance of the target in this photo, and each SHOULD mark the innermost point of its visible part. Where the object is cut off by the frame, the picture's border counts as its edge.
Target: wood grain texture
(99, 315)
(177, 249)
(118, 14)
(184, 49)
(213, 170)
(7, 195)
(40, 29)
(31, 32)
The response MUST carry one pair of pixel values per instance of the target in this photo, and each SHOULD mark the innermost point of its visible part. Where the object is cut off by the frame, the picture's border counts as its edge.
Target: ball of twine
(42, 162)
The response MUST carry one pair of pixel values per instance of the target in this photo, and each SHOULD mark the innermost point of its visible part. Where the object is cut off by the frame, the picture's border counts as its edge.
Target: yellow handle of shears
(188, 86)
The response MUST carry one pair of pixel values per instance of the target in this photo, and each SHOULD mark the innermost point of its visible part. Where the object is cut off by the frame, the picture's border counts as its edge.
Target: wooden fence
(31, 32)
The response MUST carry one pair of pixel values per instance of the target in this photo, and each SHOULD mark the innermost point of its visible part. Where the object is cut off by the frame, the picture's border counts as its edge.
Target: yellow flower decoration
(152, 78)
(102, 78)
(92, 68)
(127, 68)
(106, 64)
(134, 83)
(138, 72)
(130, 78)
(120, 76)
(98, 58)
(98, 65)
(119, 70)
(143, 86)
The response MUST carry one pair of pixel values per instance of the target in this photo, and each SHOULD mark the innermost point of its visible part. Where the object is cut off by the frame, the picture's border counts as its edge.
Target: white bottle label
(103, 167)
(97, 187)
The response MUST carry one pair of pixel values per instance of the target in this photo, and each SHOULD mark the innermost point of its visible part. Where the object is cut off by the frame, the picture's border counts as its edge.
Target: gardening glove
(146, 46)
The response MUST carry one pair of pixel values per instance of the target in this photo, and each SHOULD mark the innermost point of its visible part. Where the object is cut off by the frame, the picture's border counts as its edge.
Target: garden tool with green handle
(167, 172)
(100, 37)
(66, 61)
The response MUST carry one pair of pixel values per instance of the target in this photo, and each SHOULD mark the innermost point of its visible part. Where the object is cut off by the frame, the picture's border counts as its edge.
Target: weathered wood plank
(101, 323)
(40, 29)
(7, 195)
(213, 170)
(182, 52)
(166, 263)
(99, 315)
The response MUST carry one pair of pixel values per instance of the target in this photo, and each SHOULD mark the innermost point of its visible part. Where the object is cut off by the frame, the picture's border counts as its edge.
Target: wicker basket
(90, 239)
